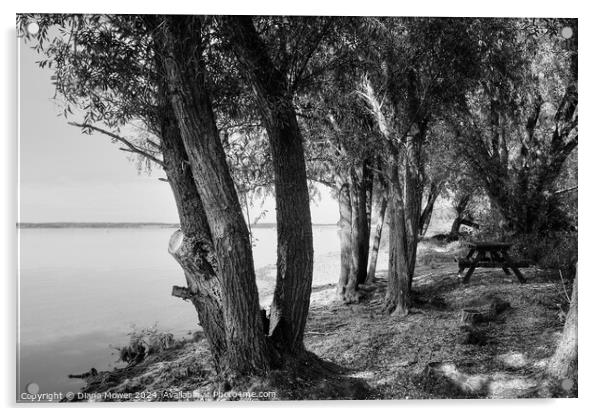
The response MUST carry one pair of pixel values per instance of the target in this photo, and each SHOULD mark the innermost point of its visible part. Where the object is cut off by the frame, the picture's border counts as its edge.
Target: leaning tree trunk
(344, 238)
(381, 209)
(460, 209)
(192, 245)
(427, 212)
(563, 364)
(184, 71)
(290, 304)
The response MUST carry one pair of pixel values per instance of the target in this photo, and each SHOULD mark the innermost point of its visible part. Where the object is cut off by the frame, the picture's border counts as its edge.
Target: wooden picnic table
(498, 257)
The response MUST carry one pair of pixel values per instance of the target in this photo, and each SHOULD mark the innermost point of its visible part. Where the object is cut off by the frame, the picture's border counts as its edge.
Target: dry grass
(392, 353)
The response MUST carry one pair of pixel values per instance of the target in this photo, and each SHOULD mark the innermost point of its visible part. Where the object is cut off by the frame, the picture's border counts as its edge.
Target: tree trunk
(290, 304)
(184, 71)
(204, 292)
(406, 197)
(369, 185)
(427, 212)
(397, 301)
(344, 238)
(563, 364)
(360, 229)
(381, 211)
(460, 208)
(192, 245)
(413, 199)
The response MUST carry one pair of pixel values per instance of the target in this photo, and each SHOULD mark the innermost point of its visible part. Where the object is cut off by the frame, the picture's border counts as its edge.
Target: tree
(274, 83)
(192, 245)
(103, 68)
(381, 193)
(180, 42)
(563, 364)
(422, 67)
(124, 49)
(521, 122)
(350, 137)
(343, 151)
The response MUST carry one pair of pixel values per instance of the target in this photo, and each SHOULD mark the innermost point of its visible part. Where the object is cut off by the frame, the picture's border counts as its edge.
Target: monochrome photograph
(235, 207)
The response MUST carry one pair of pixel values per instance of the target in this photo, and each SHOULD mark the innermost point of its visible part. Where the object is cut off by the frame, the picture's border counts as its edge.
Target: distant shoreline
(28, 225)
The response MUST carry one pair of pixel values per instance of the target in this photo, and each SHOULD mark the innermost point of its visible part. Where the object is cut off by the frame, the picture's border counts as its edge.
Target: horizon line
(118, 224)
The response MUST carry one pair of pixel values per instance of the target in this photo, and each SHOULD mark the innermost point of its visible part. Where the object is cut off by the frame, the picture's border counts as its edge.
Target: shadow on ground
(396, 356)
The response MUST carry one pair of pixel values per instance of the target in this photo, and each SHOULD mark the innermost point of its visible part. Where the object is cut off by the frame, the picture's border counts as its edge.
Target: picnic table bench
(498, 257)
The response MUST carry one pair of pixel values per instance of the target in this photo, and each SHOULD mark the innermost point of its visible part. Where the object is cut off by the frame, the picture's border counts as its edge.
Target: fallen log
(92, 373)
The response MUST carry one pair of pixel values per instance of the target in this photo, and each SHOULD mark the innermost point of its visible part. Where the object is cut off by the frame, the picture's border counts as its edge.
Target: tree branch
(323, 182)
(309, 54)
(562, 191)
(130, 147)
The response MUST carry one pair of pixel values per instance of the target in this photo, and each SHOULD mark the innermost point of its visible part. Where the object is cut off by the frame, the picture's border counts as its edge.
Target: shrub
(144, 342)
(550, 251)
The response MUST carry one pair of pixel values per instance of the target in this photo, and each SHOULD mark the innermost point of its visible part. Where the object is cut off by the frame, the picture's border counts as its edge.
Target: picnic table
(498, 257)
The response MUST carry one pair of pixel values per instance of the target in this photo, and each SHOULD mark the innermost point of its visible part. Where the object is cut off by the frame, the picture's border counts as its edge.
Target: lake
(82, 289)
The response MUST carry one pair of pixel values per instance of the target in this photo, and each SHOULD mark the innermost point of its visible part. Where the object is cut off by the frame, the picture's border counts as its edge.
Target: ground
(378, 356)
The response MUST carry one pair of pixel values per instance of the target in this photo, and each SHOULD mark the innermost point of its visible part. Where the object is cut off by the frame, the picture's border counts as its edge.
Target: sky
(66, 176)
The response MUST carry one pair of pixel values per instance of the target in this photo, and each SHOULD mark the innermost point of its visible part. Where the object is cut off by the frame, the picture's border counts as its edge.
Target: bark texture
(354, 232)
(344, 239)
(427, 212)
(192, 245)
(404, 220)
(381, 209)
(360, 228)
(463, 216)
(563, 364)
(290, 304)
(184, 70)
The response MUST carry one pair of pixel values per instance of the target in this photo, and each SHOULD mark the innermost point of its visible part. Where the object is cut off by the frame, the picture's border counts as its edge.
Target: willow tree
(563, 364)
(180, 43)
(521, 121)
(274, 54)
(118, 70)
(105, 71)
(420, 68)
(341, 155)
(343, 152)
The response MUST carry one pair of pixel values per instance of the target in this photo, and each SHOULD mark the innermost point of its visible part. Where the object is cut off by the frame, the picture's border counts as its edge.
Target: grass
(391, 354)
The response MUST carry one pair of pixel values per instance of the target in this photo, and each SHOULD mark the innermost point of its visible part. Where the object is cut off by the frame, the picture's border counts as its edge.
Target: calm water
(81, 290)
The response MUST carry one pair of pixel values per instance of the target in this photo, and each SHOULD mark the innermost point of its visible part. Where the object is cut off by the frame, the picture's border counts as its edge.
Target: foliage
(144, 342)
(106, 75)
(519, 124)
(556, 251)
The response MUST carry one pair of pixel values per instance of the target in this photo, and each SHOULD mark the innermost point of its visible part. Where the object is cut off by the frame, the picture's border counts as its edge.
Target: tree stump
(471, 316)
